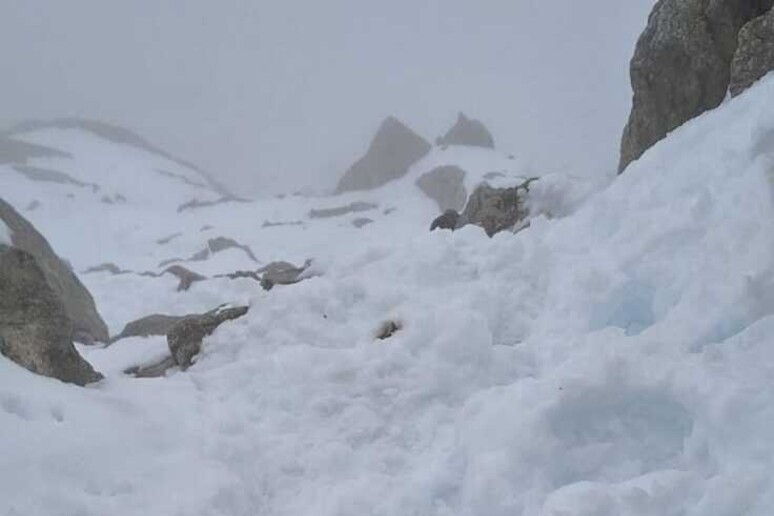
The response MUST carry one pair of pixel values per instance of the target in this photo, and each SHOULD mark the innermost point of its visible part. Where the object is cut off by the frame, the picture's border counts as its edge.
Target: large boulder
(467, 131)
(87, 325)
(391, 153)
(754, 55)
(446, 186)
(497, 209)
(681, 66)
(35, 327)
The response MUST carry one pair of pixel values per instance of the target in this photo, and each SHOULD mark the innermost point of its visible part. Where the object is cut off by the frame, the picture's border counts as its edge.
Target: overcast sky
(272, 96)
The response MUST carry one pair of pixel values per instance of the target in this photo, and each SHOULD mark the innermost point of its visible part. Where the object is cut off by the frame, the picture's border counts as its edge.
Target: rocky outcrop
(447, 220)
(497, 209)
(467, 131)
(362, 222)
(16, 151)
(353, 207)
(87, 325)
(156, 324)
(186, 336)
(446, 186)
(393, 150)
(754, 55)
(187, 277)
(681, 66)
(35, 328)
(281, 273)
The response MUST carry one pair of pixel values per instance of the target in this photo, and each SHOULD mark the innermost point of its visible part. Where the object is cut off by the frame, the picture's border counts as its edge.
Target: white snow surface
(615, 359)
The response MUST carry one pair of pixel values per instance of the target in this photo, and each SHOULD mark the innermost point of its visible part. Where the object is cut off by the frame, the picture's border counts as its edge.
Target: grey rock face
(447, 220)
(496, 209)
(156, 324)
(680, 67)
(185, 337)
(754, 55)
(35, 328)
(79, 306)
(353, 207)
(281, 273)
(187, 277)
(446, 186)
(467, 131)
(393, 150)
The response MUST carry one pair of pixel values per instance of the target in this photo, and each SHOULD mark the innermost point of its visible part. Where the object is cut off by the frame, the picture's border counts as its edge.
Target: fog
(276, 96)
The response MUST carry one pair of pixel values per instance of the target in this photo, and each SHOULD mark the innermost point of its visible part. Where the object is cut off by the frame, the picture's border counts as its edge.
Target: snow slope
(616, 361)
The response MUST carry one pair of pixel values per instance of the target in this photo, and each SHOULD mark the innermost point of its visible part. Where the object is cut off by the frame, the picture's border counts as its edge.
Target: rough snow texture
(613, 359)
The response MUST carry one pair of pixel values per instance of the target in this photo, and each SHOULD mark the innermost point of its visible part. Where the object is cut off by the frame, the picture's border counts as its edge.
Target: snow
(5, 234)
(614, 358)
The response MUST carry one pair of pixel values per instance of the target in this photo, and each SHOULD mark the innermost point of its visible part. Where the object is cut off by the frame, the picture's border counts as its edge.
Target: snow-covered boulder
(35, 327)
(467, 131)
(392, 151)
(86, 323)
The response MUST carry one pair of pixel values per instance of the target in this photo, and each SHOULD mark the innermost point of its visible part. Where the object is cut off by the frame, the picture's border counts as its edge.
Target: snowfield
(614, 359)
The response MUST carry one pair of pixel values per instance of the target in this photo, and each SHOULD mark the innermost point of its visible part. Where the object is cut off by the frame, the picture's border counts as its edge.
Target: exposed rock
(447, 220)
(392, 151)
(681, 66)
(17, 151)
(35, 328)
(467, 131)
(388, 329)
(196, 203)
(185, 337)
(241, 274)
(154, 370)
(186, 276)
(446, 186)
(45, 175)
(281, 273)
(168, 239)
(112, 268)
(79, 306)
(353, 207)
(497, 209)
(271, 224)
(216, 245)
(156, 324)
(754, 55)
(362, 221)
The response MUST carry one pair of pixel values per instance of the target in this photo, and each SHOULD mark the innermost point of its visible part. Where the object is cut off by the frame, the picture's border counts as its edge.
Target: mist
(280, 96)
